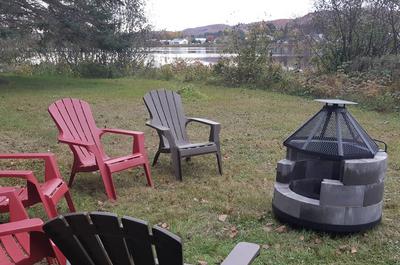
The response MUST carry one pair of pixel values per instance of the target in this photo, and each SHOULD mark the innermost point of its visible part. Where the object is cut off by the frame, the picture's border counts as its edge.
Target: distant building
(179, 42)
(164, 42)
(200, 40)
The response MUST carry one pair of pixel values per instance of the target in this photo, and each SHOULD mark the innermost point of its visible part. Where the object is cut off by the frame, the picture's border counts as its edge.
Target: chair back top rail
(100, 238)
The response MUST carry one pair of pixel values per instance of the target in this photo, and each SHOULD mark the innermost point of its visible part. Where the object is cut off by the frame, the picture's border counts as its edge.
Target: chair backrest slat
(165, 108)
(61, 234)
(168, 247)
(126, 243)
(74, 120)
(138, 240)
(111, 235)
(86, 233)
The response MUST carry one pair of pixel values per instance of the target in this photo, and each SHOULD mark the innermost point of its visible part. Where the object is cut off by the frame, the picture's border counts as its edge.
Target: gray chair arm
(215, 127)
(243, 254)
(201, 120)
(164, 131)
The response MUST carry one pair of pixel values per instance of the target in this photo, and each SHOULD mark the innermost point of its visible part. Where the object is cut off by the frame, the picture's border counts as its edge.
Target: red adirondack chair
(22, 241)
(77, 128)
(49, 193)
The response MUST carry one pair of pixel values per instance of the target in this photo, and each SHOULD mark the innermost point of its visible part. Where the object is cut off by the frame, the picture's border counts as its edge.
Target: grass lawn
(254, 125)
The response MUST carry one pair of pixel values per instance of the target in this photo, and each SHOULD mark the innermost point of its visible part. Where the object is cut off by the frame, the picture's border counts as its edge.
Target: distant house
(200, 40)
(179, 42)
(164, 42)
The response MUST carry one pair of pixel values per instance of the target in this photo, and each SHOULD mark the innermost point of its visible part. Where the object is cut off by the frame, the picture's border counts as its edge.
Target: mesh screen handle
(382, 142)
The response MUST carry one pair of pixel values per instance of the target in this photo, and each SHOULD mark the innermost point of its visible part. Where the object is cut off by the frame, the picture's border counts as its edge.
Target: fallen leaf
(267, 229)
(163, 225)
(281, 229)
(222, 217)
(353, 250)
(202, 262)
(265, 246)
(233, 232)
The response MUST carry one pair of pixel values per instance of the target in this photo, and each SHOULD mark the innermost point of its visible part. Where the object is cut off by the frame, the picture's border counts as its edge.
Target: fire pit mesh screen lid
(333, 133)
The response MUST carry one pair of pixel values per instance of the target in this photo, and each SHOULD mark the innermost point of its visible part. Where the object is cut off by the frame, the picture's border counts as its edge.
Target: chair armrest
(243, 254)
(118, 131)
(164, 131)
(22, 174)
(215, 127)
(26, 156)
(27, 225)
(201, 120)
(51, 168)
(138, 138)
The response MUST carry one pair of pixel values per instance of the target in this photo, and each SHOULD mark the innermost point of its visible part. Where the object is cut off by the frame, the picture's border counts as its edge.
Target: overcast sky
(181, 14)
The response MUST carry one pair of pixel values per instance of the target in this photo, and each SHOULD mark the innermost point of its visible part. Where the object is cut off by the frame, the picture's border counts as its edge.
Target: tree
(357, 28)
(101, 32)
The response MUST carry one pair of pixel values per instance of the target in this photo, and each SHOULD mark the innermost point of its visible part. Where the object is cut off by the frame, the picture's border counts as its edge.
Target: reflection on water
(211, 55)
(205, 55)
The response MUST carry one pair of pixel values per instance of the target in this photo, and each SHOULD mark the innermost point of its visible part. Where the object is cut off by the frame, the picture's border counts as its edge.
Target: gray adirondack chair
(168, 118)
(99, 238)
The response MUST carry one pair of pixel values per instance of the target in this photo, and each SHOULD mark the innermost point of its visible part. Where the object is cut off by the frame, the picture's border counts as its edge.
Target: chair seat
(193, 149)
(14, 252)
(49, 188)
(124, 162)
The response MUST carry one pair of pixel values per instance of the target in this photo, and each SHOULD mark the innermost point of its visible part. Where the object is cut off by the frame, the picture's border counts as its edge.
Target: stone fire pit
(333, 176)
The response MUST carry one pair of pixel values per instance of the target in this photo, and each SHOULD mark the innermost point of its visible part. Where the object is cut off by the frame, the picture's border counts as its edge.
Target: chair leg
(148, 174)
(50, 208)
(108, 183)
(70, 203)
(219, 160)
(176, 162)
(73, 173)
(156, 158)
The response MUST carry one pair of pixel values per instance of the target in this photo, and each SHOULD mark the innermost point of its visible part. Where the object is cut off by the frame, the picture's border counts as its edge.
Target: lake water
(211, 55)
(168, 54)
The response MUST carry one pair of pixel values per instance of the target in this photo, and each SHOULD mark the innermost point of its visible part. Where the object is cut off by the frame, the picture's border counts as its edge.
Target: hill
(215, 28)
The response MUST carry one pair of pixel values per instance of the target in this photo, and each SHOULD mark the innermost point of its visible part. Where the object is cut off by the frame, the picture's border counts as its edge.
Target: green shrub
(92, 70)
(191, 93)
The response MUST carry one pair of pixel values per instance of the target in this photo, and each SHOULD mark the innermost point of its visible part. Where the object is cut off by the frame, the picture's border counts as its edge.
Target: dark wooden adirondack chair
(77, 128)
(101, 239)
(168, 118)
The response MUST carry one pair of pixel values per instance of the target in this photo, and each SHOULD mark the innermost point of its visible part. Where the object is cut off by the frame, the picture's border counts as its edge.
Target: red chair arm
(138, 138)
(51, 168)
(118, 131)
(22, 174)
(26, 156)
(22, 226)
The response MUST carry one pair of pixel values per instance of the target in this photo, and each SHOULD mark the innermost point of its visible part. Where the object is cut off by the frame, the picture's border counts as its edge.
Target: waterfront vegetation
(254, 124)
